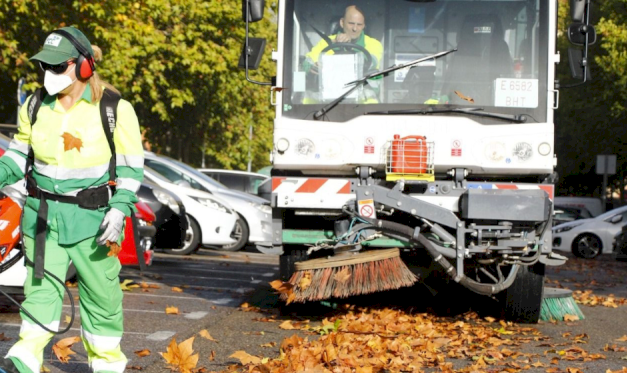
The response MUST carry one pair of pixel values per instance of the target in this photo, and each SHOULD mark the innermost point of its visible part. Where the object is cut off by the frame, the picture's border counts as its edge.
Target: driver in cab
(352, 24)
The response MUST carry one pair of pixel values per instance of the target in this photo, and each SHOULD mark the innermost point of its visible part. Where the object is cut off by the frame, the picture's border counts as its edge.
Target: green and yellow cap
(58, 49)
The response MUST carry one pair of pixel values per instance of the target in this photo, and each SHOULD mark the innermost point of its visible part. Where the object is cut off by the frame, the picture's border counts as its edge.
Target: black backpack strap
(109, 117)
(33, 107)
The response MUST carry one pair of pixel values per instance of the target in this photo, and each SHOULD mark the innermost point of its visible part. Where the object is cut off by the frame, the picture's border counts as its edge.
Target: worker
(353, 24)
(86, 207)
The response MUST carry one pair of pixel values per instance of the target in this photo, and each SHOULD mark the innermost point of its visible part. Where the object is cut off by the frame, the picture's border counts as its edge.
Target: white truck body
(448, 131)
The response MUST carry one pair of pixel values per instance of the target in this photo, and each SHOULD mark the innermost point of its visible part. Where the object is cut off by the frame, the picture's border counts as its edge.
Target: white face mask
(55, 83)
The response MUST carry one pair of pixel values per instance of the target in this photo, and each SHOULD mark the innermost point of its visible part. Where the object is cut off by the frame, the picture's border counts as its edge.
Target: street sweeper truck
(414, 141)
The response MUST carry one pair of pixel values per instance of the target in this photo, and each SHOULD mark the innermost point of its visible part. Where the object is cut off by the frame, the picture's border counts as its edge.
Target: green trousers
(100, 300)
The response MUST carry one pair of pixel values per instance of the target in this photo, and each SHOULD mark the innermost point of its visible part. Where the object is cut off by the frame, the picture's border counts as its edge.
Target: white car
(239, 180)
(211, 220)
(255, 223)
(587, 238)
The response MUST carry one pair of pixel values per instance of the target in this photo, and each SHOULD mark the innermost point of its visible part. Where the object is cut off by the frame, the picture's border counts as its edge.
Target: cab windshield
(499, 64)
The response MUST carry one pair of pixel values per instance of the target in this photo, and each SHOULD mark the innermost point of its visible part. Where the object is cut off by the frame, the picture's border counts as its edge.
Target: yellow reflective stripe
(135, 161)
(64, 173)
(27, 358)
(128, 184)
(33, 340)
(19, 146)
(19, 161)
(104, 352)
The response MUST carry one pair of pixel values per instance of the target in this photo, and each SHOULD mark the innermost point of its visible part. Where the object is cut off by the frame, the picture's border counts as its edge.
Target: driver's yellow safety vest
(372, 45)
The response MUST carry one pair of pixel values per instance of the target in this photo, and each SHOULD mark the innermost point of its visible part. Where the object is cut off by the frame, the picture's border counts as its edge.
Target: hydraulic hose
(477, 287)
(67, 290)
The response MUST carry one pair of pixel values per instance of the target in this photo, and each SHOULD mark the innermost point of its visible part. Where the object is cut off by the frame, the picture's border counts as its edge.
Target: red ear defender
(85, 62)
(84, 69)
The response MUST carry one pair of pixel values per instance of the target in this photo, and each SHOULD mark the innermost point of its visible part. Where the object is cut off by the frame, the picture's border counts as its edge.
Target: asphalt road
(215, 284)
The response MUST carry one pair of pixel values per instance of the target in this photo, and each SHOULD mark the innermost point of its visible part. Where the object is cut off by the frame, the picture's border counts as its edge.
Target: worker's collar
(51, 100)
(361, 40)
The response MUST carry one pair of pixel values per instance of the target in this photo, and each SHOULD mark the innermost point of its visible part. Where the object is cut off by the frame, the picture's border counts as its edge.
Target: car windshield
(154, 175)
(197, 173)
(173, 175)
(611, 213)
(499, 58)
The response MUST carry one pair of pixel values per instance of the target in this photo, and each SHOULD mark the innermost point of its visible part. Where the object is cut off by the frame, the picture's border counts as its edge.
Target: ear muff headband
(85, 63)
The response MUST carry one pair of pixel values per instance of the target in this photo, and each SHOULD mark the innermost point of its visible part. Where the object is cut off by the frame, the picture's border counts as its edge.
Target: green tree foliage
(590, 117)
(176, 61)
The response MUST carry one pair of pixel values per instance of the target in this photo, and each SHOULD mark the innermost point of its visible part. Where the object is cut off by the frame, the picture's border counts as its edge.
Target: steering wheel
(346, 47)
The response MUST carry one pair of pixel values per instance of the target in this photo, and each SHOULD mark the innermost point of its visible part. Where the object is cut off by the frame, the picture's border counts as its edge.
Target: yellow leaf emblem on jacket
(70, 142)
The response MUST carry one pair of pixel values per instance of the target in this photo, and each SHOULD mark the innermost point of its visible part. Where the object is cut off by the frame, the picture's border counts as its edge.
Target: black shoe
(7, 366)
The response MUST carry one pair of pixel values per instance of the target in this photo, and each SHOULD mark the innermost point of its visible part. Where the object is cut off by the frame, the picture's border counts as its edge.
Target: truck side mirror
(579, 65)
(252, 54)
(578, 32)
(255, 10)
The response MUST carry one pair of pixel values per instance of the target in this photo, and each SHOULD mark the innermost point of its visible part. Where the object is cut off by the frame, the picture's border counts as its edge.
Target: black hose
(67, 290)
(477, 287)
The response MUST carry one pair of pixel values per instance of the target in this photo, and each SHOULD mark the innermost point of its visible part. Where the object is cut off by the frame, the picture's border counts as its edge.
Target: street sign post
(606, 165)
(21, 97)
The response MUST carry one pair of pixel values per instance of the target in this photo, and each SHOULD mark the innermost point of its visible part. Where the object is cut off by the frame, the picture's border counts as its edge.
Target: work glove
(112, 226)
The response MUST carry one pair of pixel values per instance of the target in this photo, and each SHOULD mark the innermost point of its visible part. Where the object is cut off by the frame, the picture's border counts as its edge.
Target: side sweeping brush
(350, 274)
(558, 303)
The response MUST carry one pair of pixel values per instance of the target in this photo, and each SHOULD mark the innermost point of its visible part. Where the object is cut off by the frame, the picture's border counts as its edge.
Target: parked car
(593, 205)
(564, 214)
(243, 181)
(255, 223)
(170, 217)
(620, 245)
(211, 221)
(587, 238)
(139, 236)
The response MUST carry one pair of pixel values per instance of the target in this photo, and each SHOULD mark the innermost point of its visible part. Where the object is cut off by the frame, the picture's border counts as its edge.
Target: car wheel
(587, 246)
(240, 234)
(192, 238)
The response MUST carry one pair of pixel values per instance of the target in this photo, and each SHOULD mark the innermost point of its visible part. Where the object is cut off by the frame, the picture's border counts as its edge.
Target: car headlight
(212, 204)
(565, 229)
(167, 200)
(265, 208)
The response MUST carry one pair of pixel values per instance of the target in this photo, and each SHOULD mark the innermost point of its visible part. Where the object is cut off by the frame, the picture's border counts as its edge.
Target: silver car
(255, 213)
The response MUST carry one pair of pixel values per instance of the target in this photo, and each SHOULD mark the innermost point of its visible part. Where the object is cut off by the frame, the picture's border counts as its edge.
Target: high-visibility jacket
(372, 45)
(72, 154)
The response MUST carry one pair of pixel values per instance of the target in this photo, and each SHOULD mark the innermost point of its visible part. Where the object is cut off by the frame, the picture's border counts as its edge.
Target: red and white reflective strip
(548, 188)
(311, 192)
(311, 185)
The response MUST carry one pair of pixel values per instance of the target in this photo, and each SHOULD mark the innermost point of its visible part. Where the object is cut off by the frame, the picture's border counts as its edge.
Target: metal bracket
(395, 198)
(459, 175)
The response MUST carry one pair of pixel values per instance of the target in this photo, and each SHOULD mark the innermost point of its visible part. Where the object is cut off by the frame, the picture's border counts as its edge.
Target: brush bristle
(351, 280)
(556, 308)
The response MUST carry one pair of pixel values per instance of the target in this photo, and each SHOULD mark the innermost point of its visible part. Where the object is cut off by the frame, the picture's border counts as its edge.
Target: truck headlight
(167, 200)
(212, 204)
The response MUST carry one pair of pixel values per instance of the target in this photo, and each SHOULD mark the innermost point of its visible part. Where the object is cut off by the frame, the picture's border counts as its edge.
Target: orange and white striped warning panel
(325, 193)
